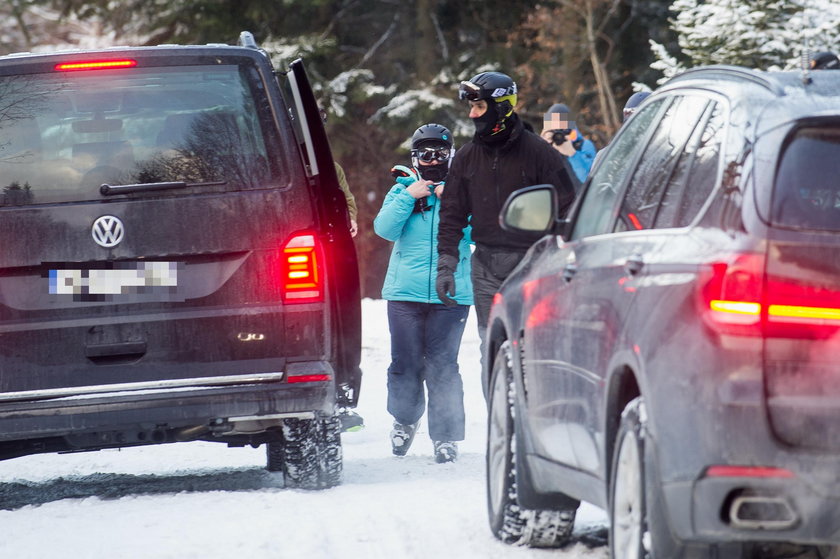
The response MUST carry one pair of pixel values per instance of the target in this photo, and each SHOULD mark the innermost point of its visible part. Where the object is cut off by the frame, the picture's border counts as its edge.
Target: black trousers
(490, 268)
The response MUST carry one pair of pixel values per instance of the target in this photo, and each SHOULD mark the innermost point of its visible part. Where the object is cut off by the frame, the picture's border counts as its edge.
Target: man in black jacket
(501, 157)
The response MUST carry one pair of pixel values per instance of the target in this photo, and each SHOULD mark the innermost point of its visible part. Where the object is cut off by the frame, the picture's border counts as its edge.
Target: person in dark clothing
(633, 103)
(502, 157)
(825, 61)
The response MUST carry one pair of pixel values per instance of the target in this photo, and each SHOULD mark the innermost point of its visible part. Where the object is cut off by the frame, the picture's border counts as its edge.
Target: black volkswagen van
(176, 260)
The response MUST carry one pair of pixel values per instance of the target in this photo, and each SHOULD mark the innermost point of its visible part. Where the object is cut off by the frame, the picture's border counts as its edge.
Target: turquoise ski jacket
(412, 268)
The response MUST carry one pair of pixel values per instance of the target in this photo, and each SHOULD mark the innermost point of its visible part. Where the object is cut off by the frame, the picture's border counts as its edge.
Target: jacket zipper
(429, 284)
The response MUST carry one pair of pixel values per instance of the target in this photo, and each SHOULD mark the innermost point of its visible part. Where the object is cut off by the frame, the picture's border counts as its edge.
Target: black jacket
(483, 175)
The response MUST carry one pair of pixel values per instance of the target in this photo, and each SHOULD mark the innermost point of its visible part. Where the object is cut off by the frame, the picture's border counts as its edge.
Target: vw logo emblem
(107, 231)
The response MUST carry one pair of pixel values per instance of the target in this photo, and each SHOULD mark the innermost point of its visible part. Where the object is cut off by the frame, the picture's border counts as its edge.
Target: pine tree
(763, 34)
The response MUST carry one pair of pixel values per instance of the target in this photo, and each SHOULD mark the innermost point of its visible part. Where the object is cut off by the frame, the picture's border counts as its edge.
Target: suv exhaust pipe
(762, 512)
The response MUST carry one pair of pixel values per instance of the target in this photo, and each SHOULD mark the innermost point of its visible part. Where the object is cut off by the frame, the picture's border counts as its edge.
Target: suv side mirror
(531, 210)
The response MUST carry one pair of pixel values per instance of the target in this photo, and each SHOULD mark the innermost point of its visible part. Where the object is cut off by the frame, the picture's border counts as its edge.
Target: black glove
(445, 282)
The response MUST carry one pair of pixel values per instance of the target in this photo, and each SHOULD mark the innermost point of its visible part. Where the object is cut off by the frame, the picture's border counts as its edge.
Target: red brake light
(308, 378)
(738, 297)
(731, 294)
(301, 270)
(748, 471)
(95, 65)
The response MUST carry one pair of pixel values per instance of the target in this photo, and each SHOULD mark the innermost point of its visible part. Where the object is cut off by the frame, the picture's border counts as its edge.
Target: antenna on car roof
(805, 62)
(246, 39)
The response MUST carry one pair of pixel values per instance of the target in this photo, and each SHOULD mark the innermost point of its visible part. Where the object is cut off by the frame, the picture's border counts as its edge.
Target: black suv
(176, 259)
(670, 352)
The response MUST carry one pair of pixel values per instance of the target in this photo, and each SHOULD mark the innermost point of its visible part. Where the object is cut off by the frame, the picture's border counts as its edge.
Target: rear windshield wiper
(108, 189)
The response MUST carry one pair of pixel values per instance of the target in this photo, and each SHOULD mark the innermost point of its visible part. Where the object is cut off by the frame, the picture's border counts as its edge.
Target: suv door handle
(569, 272)
(634, 264)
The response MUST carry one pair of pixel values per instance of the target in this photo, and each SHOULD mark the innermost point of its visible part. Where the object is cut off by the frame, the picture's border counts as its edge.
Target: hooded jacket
(412, 268)
(482, 176)
(584, 155)
(583, 158)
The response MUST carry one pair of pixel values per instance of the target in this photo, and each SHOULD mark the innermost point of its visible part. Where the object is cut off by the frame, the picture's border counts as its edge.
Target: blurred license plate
(115, 279)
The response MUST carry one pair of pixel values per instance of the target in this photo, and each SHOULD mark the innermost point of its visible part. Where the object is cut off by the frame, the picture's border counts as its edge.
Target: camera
(560, 136)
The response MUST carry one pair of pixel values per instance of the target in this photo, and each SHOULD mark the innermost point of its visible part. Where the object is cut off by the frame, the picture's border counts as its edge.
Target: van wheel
(309, 455)
(330, 453)
(509, 522)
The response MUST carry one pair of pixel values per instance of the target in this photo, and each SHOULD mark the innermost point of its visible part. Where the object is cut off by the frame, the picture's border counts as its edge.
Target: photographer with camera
(564, 136)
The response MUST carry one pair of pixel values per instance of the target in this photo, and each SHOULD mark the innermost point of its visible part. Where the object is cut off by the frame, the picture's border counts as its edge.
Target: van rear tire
(310, 454)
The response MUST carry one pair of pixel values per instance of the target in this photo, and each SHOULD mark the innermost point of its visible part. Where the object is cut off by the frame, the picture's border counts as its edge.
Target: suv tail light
(731, 294)
(302, 277)
(739, 298)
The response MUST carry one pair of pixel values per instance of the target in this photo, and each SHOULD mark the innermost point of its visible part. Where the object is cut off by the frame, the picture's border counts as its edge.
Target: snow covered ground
(207, 501)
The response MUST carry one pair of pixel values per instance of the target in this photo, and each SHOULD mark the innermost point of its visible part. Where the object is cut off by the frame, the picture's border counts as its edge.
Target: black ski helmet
(432, 134)
(491, 85)
(633, 103)
(439, 138)
(825, 61)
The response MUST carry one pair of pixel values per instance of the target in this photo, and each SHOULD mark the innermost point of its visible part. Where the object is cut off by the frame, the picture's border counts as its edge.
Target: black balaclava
(485, 125)
(434, 173)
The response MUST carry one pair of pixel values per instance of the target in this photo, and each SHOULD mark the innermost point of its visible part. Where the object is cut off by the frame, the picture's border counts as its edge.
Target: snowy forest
(383, 67)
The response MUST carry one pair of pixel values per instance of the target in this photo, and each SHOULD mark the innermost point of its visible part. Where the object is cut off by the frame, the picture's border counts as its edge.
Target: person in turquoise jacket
(425, 333)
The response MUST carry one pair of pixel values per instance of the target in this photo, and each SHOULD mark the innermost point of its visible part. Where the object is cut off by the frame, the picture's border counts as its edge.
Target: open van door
(341, 265)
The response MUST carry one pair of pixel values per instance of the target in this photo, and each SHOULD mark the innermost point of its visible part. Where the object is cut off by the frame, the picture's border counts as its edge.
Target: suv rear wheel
(638, 528)
(309, 455)
(509, 522)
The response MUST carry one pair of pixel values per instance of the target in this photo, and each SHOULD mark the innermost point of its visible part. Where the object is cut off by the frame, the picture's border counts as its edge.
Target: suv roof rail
(246, 39)
(731, 72)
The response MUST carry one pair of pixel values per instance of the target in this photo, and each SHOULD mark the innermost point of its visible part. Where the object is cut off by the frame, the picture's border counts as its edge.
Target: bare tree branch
(441, 39)
(381, 40)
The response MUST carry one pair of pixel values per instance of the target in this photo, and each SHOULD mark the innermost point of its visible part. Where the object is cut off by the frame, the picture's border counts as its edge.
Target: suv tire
(509, 522)
(638, 527)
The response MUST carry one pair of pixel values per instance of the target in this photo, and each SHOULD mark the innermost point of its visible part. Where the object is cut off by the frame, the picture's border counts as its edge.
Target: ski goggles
(469, 91)
(427, 155)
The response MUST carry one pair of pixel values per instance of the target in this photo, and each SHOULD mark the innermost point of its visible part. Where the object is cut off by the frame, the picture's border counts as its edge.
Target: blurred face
(557, 121)
(478, 108)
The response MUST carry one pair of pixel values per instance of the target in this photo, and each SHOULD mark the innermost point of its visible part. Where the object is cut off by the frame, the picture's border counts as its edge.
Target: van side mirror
(531, 210)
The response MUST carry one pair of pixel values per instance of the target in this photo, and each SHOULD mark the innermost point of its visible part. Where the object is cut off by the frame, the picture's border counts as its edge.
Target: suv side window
(598, 206)
(695, 175)
(659, 163)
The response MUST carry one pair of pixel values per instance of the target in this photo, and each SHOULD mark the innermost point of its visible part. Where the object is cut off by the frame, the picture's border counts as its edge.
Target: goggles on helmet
(427, 155)
(469, 91)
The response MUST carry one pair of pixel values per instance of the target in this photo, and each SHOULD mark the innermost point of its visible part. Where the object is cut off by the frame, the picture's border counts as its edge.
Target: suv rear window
(807, 190)
(64, 134)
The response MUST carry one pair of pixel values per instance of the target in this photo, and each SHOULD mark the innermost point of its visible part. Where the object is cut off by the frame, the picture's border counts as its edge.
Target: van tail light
(738, 297)
(94, 65)
(302, 280)
(294, 379)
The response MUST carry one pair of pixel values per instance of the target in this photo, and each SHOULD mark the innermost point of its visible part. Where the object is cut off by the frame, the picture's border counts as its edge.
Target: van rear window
(64, 134)
(807, 190)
